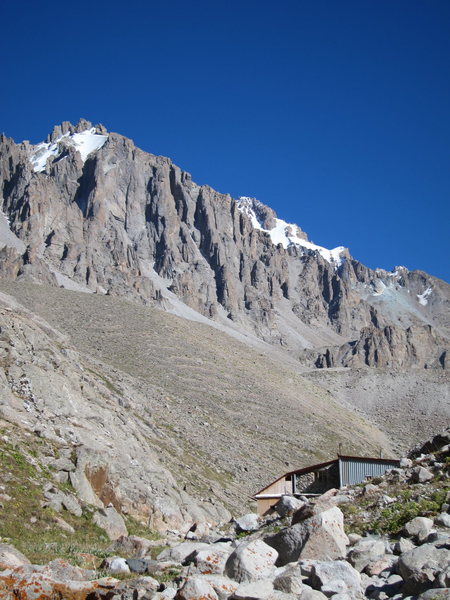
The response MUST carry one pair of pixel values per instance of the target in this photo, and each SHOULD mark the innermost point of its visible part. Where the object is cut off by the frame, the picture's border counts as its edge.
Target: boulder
(10, 557)
(223, 586)
(288, 505)
(181, 552)
(421, 567)
(320, 537)
(421, 475)
(386, 563)
(403, 545)
(435, 594)
(250, 561)
(111, 521)
(58, 500)
(443, 519)
(115, 564)
(139, 565)
(336, 577)
(59, 522)
(418, 528)
(57, 579)
(290, 580)
(365, 551)
(310, 594)
(212, 560)
(248, 522)
(196, 588)
(320, 504)
(131, 544)
(254, 590)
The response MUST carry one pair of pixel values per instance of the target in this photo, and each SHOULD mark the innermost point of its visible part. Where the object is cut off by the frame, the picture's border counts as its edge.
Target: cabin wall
(357, 470)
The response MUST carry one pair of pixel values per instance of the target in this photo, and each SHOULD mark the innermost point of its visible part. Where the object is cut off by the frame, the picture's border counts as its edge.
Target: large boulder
(320, 537)
(57, 579)
(10, 557)
(418, 528)
(290, 580)
(212, 560)
(421, 475)
(196, 588)
(421, 567)
(248, 522)
(366, 551)
(336, 577)
(115, 564)
(111, 522)
(250, 561)
(223, 586)
(131, 545)
(181, 552)
(288, 505)
(254, 590)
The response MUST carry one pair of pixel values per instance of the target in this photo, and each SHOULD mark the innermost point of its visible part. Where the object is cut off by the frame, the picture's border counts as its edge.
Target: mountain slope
(121, 221)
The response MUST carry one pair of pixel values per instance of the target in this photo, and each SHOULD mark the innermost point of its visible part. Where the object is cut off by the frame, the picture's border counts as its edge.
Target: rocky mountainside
(88, 210)
(388, 538)
(180, 348)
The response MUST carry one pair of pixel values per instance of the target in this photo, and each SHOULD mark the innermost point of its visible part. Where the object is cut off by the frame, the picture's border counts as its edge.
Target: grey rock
(290, 580)
(131, 544)
(435, 594)
(366, 551)
(115, 564)
(287, 505)
(195, 588)
(336, 577)
(254, 590)
(212, 560)
(10, 557)
(320, 537)
(443, 519)
(111, 521)
(310, 594)
(418, 528)
(223, 586)
(421, 475)
(421, 567)
(181, 552)
(137, 565)
(403, 545)
(248, 522)
(251, 561)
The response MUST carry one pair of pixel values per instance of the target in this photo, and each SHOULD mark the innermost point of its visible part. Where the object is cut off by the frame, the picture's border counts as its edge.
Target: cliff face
(88, 210)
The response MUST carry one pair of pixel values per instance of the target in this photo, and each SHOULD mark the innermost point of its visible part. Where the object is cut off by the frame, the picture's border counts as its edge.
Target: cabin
(317, 479)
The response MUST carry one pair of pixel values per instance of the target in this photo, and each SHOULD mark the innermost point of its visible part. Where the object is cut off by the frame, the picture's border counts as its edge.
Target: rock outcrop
(90, 211)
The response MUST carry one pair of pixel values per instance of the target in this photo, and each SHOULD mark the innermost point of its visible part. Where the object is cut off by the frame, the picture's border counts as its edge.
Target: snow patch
(423, 297)
(286, 234)
(85, 142)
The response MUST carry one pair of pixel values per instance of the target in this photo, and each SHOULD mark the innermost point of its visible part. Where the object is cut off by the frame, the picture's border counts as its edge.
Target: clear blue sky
(336, 113)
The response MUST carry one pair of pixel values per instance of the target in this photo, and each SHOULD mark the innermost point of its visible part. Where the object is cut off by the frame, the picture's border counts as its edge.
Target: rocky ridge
(90, 211)
(395, 544)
